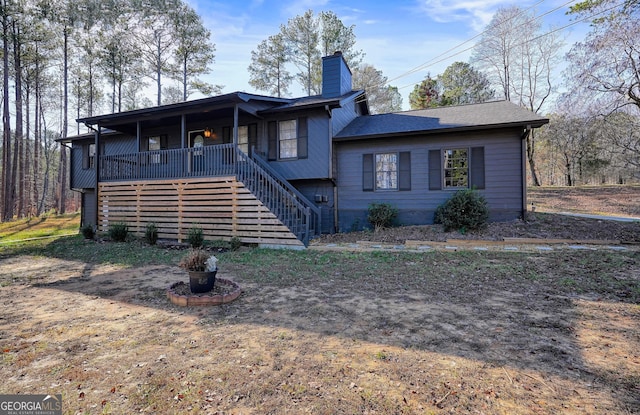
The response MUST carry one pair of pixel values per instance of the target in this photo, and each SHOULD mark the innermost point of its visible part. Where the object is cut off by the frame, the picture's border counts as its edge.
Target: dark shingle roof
(463, 117)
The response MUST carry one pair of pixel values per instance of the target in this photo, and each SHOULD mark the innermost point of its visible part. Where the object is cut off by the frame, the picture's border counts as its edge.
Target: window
(154, 144)
(243, 138)
(456, 167)
(387, 171)
(92, 156)
(288, 139)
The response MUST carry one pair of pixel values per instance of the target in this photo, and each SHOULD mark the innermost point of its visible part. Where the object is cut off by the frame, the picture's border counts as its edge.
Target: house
(279, 171)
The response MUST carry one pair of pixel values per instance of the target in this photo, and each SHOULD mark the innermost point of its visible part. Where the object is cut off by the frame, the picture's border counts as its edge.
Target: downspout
(330, 173)
(96, 163)
(523, 152)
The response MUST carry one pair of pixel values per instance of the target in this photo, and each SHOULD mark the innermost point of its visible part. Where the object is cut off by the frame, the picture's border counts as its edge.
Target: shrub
(466, 210)
(195, 260)
(195, 237)
(235, 243)
(88, 231)
(118, 232)
(151, 233)
(382, 215)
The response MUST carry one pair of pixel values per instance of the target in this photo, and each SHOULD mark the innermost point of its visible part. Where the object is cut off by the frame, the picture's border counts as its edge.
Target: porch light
(209, 133)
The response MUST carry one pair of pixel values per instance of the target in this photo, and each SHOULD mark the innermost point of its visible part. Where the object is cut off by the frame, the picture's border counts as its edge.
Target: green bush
(88, 231)
(118, 232)
(382, 215)
(235, 243)
(465, 211)
(151, 233)
(195, 237)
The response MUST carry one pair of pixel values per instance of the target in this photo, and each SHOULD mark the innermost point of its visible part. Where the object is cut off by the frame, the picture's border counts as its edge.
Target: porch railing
(217, 160)
(279, 196)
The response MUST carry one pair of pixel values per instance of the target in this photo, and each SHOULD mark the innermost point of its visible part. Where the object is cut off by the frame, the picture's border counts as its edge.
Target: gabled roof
(469, 117)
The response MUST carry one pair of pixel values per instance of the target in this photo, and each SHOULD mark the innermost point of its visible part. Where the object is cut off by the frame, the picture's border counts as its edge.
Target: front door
(196, 154)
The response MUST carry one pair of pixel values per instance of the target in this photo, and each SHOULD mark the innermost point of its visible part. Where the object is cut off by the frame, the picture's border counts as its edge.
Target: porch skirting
(221, 206)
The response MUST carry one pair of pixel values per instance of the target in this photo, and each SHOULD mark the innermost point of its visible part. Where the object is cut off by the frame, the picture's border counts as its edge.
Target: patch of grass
(130, 254)
(46, 225)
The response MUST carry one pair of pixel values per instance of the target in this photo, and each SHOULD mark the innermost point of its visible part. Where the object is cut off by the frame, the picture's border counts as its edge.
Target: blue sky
(396, 36)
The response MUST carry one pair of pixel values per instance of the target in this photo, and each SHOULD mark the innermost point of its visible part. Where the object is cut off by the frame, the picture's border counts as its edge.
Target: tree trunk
(159, 70)
(36, 136)
(7, 186)
(530, 158)
(19, 140)
(62, 201)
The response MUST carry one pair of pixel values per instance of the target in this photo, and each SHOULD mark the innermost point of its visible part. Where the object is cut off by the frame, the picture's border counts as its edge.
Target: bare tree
(519, 59)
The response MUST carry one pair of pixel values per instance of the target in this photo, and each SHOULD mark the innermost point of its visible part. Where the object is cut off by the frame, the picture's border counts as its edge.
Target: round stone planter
(201, 281)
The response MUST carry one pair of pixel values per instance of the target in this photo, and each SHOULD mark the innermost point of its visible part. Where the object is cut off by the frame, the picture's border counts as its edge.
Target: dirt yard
(334, 332)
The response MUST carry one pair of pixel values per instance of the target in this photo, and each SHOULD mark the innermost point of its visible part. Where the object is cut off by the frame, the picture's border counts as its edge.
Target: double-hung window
(287, 139)
(386, 171)
(89, 156)
(154, 145)
(455, 168)
(243, 138)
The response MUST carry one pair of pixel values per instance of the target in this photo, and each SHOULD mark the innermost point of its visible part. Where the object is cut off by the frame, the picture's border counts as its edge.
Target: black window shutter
(404, 178)
(85, 156)
(477, 168)
(367, 173)
(303, 136)
(226, 135)
(435, 170)
(253, 137)
(272, 137)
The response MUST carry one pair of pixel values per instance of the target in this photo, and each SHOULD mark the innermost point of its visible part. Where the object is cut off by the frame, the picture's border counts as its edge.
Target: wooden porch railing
(295, 211)
(217, 160)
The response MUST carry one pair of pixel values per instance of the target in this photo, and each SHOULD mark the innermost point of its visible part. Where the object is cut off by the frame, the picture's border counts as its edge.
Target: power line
(429, 62)
(433, 61)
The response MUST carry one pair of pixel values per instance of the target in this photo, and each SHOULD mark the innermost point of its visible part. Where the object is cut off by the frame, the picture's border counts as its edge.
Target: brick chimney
(336, 76)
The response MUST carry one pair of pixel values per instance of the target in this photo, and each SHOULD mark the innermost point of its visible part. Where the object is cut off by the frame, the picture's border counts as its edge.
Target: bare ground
(440, 333)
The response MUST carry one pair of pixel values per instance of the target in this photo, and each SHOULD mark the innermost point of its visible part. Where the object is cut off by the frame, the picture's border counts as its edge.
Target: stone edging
(204, 300)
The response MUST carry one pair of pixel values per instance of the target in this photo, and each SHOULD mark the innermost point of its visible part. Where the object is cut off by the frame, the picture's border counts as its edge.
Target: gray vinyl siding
(316, 164)
(80, 177)
(321, 193)
(341, 117)
(118, 145)
(503, 177)
(89, 208)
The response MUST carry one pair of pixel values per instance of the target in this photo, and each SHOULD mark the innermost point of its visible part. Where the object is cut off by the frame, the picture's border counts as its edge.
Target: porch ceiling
(151, 120)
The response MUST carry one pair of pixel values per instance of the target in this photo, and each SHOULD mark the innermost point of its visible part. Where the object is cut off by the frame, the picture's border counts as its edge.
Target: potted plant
(202, 269)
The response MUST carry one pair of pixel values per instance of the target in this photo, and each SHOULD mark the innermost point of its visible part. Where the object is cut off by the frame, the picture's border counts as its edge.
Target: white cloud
(477, 13)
